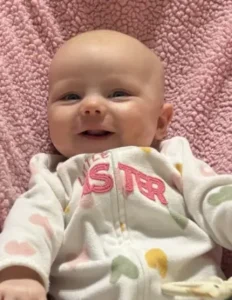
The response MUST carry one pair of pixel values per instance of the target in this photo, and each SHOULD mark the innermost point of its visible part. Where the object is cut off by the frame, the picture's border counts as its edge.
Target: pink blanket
(193, 37)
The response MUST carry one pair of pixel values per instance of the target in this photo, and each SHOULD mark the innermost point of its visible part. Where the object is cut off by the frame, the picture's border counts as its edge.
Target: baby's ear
(163, 121)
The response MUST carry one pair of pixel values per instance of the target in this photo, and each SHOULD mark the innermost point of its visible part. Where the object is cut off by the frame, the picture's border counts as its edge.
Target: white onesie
(116, 225)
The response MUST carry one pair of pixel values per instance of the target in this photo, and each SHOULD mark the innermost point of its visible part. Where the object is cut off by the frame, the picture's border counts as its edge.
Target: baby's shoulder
(177, 142)
(43, 161)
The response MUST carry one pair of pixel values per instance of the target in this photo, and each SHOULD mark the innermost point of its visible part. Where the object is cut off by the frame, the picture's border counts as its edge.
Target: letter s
(105, 178)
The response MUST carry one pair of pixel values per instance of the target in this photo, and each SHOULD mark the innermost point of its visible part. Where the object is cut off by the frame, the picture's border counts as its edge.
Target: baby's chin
(99, 150)
(88, 150)
(97, 147)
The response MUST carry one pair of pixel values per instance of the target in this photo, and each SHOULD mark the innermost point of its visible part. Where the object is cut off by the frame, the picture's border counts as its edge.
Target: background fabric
(193, 38)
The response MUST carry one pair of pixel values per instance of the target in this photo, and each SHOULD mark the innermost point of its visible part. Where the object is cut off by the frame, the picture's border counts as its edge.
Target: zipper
(122, 228)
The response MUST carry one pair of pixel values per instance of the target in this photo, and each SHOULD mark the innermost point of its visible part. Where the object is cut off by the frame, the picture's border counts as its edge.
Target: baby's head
(106, 90)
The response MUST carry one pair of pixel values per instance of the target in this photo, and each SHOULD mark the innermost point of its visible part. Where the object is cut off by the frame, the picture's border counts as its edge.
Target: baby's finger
(37, 295)
(10, 297)
(41, 296)
(3, 293)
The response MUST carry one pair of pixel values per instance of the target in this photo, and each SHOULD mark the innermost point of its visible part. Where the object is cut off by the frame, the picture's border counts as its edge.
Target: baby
(120, 212)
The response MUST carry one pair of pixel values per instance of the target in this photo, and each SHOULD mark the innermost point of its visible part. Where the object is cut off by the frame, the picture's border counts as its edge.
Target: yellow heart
(146, 149)
(179, 168)
(157, 259)
(122, 226)
(67, 209)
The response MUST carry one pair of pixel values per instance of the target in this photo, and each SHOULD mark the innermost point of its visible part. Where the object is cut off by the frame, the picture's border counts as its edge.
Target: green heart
(121, 265)
(179, 219)
(224, 194)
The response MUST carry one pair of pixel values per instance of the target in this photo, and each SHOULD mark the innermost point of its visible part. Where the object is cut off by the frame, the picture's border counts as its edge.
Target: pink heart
(39, 220)
(16, 248)
(207, 171)
(177, 182)
(33, 169)
(73, 259)
(87, 201)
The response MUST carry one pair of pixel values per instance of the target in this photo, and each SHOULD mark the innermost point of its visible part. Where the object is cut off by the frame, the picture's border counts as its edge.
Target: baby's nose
(93, 108)
(91, 111)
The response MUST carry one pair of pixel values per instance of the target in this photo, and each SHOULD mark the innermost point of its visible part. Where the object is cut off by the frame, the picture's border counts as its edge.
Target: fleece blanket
(192, 37)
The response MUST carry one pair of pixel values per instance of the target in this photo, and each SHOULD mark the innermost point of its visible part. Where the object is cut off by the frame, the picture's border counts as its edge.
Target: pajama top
(118, 224)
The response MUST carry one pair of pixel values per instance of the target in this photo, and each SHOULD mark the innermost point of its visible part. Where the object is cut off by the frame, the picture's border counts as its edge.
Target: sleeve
(33, 230)
(208, 196)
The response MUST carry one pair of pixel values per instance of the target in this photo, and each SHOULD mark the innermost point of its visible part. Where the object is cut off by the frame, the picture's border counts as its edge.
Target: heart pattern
(122, 266)
(74, 259)
(206, 170)
(67, 209)
(17, 248)
(42, 221)
(157, 259)
(180, 220)
(179, 167)
(122, 226)
(33, 169)
(146, 149)
(223, 195)
(87, 201)
(177, 182)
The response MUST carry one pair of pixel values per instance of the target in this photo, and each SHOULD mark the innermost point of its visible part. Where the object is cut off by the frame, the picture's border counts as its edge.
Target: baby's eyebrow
(121, 79)
(64, 84)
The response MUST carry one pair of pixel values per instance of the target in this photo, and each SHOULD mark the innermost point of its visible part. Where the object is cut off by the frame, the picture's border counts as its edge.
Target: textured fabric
(194, 39)
(115, 222)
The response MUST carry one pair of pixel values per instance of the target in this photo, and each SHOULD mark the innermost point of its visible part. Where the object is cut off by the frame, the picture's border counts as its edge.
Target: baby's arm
(31, 238)
(21, 283)
(208, 196)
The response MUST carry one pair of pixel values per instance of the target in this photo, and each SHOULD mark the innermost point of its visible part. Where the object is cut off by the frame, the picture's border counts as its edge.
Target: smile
(96, 133)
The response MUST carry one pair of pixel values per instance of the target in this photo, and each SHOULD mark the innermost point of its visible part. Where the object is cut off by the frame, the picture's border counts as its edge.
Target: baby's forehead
(115, 49)
(105, 41)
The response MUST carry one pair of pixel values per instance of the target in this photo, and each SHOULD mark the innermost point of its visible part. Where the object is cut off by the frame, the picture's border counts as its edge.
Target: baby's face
(105, 92)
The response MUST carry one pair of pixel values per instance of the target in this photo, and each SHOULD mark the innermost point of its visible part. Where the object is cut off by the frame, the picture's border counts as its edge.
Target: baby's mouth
(96, 133)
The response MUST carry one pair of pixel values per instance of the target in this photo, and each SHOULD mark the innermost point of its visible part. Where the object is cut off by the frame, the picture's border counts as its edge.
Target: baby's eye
(71, 96)
(118, 94)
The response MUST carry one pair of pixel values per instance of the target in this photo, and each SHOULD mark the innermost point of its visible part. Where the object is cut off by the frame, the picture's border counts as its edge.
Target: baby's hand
(22, 289)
